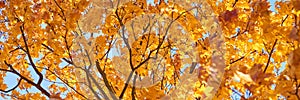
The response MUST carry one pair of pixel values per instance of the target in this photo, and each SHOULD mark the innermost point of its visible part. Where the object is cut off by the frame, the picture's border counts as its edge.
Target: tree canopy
(149, 49)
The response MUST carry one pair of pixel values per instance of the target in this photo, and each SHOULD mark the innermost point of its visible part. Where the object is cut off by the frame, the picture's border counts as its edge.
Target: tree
(173, 49)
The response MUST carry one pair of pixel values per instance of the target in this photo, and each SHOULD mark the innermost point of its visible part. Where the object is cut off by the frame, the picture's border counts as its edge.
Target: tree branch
(241, 58)
(6, 91)
(29, 56)
(66, 83)
(66, 60)
(105, 80)
(235, 3)
(38, 86)
(133, 87)
(90, 85)
(67, 46)
(270, 55)
(284, 19)
(62, 11)
(99, 87)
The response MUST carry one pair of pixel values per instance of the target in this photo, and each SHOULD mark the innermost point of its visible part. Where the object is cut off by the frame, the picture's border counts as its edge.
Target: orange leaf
(2, 4)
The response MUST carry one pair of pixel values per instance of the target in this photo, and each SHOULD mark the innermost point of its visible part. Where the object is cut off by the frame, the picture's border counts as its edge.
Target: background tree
(141, 50)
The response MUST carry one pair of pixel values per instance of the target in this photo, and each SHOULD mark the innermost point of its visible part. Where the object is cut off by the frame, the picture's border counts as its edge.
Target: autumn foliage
(149, 49)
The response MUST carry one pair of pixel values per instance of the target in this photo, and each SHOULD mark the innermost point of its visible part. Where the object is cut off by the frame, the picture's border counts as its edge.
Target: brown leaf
(294, 34)
(296, 4)
(228, 16)
(2, 4)
(56, 96)
(294, 58)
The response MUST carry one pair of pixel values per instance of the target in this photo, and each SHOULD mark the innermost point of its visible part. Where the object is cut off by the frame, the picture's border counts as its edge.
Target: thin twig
(270, 55)
(62, 11)
(66, 83)
(241, 57)
(284, 19)
(6, 91)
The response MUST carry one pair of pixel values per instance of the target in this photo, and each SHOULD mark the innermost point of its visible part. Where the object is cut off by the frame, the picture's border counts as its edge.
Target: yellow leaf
(244, 77)
(52, 77)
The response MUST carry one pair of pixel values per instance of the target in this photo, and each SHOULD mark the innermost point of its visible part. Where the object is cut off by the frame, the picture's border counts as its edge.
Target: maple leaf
(294, 59)
(296, 4)
(294, 34)
(243, 77)
(124, 49)
(2, 4)
(228, 16)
